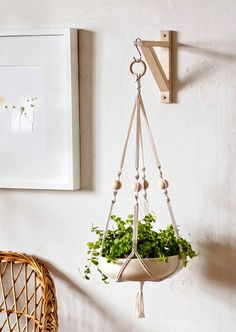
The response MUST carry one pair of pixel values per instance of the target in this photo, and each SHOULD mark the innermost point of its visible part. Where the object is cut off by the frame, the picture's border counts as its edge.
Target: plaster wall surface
(196, 141)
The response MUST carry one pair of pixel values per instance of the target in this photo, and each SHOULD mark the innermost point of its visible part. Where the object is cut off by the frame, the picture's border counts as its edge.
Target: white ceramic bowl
(134, 271)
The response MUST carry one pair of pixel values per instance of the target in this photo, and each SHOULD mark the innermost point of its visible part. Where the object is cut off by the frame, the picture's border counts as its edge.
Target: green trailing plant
(151, 244)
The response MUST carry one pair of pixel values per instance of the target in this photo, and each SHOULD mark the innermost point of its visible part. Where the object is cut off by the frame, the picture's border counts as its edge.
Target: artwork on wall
(17, 118)
(39, 109)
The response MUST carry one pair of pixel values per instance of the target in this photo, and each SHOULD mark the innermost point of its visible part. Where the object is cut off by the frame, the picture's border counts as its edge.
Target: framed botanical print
(39, 109)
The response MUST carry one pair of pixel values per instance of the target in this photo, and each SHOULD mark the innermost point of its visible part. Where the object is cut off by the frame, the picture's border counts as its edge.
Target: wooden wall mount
(160, 66)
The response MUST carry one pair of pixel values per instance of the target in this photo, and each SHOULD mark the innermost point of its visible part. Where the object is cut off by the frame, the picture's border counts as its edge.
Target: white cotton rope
(139, 306)
(128, 135)
(137, 109)
(146, 209)
(156, 157)
(119, 173)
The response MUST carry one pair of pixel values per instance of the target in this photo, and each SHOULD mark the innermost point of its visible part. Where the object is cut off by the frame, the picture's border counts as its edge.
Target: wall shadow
(117, 324)
(203, 50)
(219, 262)
(198, 72)
(206, 67)
(86, 93)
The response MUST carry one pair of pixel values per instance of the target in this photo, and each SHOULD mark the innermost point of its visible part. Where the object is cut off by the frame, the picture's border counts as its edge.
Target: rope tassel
(139, 308)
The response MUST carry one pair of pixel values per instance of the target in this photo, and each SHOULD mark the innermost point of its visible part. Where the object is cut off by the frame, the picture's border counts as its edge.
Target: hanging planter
(160, 255)
(137, 272)
(132, 250)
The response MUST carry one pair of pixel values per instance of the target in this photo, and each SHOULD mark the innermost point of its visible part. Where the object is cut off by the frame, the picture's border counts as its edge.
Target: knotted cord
(137, 111)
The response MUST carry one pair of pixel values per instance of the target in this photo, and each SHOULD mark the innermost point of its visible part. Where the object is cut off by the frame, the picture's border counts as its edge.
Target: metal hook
(140, 55)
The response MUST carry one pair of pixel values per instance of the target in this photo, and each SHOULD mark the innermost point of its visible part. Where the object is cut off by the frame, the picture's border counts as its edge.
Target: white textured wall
(196, 140)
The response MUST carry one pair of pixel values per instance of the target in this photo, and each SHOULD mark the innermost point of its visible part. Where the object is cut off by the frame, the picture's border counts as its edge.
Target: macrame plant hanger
(138, 117)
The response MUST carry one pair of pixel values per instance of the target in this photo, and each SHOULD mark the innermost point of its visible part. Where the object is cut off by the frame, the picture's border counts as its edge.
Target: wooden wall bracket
(160, 65)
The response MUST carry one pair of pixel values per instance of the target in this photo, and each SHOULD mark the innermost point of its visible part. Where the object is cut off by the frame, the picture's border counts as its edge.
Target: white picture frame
(39, 109)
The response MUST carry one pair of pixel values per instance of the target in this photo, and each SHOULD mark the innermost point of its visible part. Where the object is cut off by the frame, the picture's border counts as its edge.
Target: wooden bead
(137, 186)
(163, 184)
(145, 184)
(116, 185)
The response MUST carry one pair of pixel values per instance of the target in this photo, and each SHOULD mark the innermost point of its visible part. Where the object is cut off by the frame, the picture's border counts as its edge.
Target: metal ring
(144, 68)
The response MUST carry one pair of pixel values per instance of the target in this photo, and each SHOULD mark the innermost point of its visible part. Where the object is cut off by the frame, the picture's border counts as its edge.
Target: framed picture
(39, 109)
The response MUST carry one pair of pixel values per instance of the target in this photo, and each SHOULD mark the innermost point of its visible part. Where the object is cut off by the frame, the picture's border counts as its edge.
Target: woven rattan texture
(27, 300)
